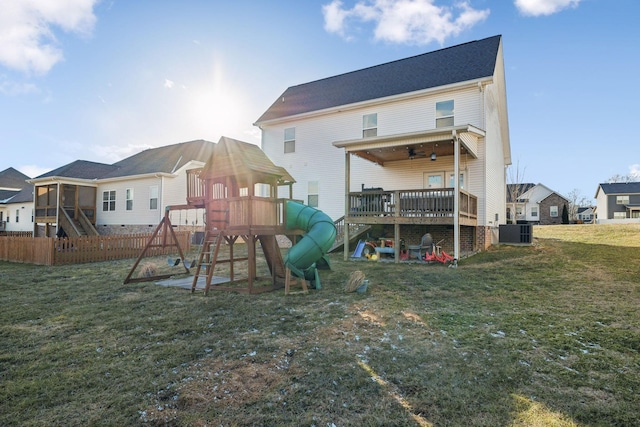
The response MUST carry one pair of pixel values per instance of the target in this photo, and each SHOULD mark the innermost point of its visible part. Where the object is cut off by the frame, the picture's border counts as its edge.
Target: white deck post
(456, 197)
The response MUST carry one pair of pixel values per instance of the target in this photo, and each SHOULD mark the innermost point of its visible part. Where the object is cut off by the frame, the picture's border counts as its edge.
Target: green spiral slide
(305, 257)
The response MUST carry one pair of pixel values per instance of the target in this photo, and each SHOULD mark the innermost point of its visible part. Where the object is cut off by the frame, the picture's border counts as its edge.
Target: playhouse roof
(242, 160)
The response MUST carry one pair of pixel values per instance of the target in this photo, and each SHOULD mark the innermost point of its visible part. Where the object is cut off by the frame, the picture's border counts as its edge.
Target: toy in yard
(433, 251)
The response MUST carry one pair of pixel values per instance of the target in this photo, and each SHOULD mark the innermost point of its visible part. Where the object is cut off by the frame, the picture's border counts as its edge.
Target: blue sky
(102, 80)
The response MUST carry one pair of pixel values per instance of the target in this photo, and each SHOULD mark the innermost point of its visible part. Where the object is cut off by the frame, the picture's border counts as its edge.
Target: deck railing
(426, 203)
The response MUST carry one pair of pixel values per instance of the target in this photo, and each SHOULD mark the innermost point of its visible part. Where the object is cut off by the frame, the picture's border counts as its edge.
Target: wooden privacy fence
(76, 250)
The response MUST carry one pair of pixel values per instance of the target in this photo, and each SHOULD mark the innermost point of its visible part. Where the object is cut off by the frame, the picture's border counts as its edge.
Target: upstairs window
(444, 114)
(129, 198)
(290, 140)
(109, 200)
(153, 197)
(370, 125)
(534, 211)
(622, 200)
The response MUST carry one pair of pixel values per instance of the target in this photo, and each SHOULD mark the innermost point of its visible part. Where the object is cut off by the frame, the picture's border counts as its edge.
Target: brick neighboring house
(535, 204)
(617, 202)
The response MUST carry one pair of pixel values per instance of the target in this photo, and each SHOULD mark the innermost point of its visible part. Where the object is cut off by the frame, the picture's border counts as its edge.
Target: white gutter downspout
(456, 199)
(347, 188)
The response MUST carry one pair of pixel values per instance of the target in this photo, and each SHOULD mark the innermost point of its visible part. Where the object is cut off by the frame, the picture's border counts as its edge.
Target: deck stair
(355, 231)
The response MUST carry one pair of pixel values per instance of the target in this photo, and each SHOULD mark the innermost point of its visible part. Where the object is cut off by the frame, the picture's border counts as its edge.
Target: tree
(565, 214)
(515, 188)
(576, 200)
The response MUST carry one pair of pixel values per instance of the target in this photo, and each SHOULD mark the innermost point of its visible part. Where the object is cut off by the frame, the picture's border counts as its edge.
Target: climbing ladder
(207, 258)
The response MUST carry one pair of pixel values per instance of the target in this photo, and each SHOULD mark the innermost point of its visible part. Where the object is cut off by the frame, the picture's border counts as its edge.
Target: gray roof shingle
(165, 159)
(81, 169)
(621, 188)
(464, 62)
(12, 178)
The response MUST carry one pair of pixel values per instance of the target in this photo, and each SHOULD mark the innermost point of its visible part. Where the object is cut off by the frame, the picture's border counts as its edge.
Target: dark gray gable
(465, 62)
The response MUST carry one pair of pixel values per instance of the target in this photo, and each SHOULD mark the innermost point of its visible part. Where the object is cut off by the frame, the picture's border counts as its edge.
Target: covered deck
(428, 206)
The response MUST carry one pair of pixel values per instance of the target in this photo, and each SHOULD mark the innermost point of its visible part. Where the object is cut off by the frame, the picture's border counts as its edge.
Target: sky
(102, 80)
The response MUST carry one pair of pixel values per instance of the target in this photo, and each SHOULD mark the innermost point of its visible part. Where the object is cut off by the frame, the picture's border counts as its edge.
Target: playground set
(238, 189)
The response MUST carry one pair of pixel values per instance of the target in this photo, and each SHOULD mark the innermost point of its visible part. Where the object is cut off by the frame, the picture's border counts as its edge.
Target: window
(553, 211)
(452, 182)
(434, 181)
(129, 198)
(312, 198)
(153, 197)
(534, 211)
(290, 140)
(370, 125)
(444, 114)
(17, 215)
(619, 215)
(622, 200)
(109, 200)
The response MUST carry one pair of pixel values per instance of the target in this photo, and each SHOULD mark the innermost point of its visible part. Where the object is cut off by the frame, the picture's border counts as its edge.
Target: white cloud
(544, 7)
(27, 39)
(11, 88)
(403, 21)
(168, 83)
(634, 171)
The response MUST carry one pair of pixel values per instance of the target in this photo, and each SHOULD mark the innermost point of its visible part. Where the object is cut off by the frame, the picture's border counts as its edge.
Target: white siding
(25, 216)
(493, 200)
(316, 159)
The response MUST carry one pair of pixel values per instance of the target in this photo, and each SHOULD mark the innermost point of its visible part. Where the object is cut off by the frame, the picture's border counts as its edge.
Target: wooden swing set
(165, 230)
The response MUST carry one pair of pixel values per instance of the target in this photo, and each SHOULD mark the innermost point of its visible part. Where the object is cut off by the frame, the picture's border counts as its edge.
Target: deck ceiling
(393, 148)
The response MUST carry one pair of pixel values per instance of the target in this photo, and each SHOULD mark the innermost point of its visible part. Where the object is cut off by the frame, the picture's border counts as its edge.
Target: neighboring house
(618, 202)
(16, 202)
(585, 214)
(396, 136)
(537, 204)
(126, 197)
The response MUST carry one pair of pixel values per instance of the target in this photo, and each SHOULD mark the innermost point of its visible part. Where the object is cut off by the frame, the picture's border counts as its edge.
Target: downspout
(456, 199)
(347, 186)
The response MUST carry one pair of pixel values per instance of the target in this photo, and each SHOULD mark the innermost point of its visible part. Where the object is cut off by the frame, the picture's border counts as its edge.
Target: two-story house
(127, 197)
(535, 204)
(16, 202)
(617, 203)
(416, 145)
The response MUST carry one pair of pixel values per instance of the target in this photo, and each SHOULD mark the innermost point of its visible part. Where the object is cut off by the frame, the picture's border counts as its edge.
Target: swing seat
(188, 264)
(173, 262)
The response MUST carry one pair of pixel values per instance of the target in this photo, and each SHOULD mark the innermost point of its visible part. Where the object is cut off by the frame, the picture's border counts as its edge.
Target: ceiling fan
(413, 153)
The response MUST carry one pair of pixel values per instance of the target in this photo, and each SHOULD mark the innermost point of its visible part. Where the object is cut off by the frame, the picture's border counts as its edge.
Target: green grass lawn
(546, 335)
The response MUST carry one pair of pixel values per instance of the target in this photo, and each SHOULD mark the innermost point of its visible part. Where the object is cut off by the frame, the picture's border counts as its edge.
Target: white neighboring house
(618, 203)
(538, 204)
(127, 197)
(411, 124)
(16, 202)
(585, 214)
